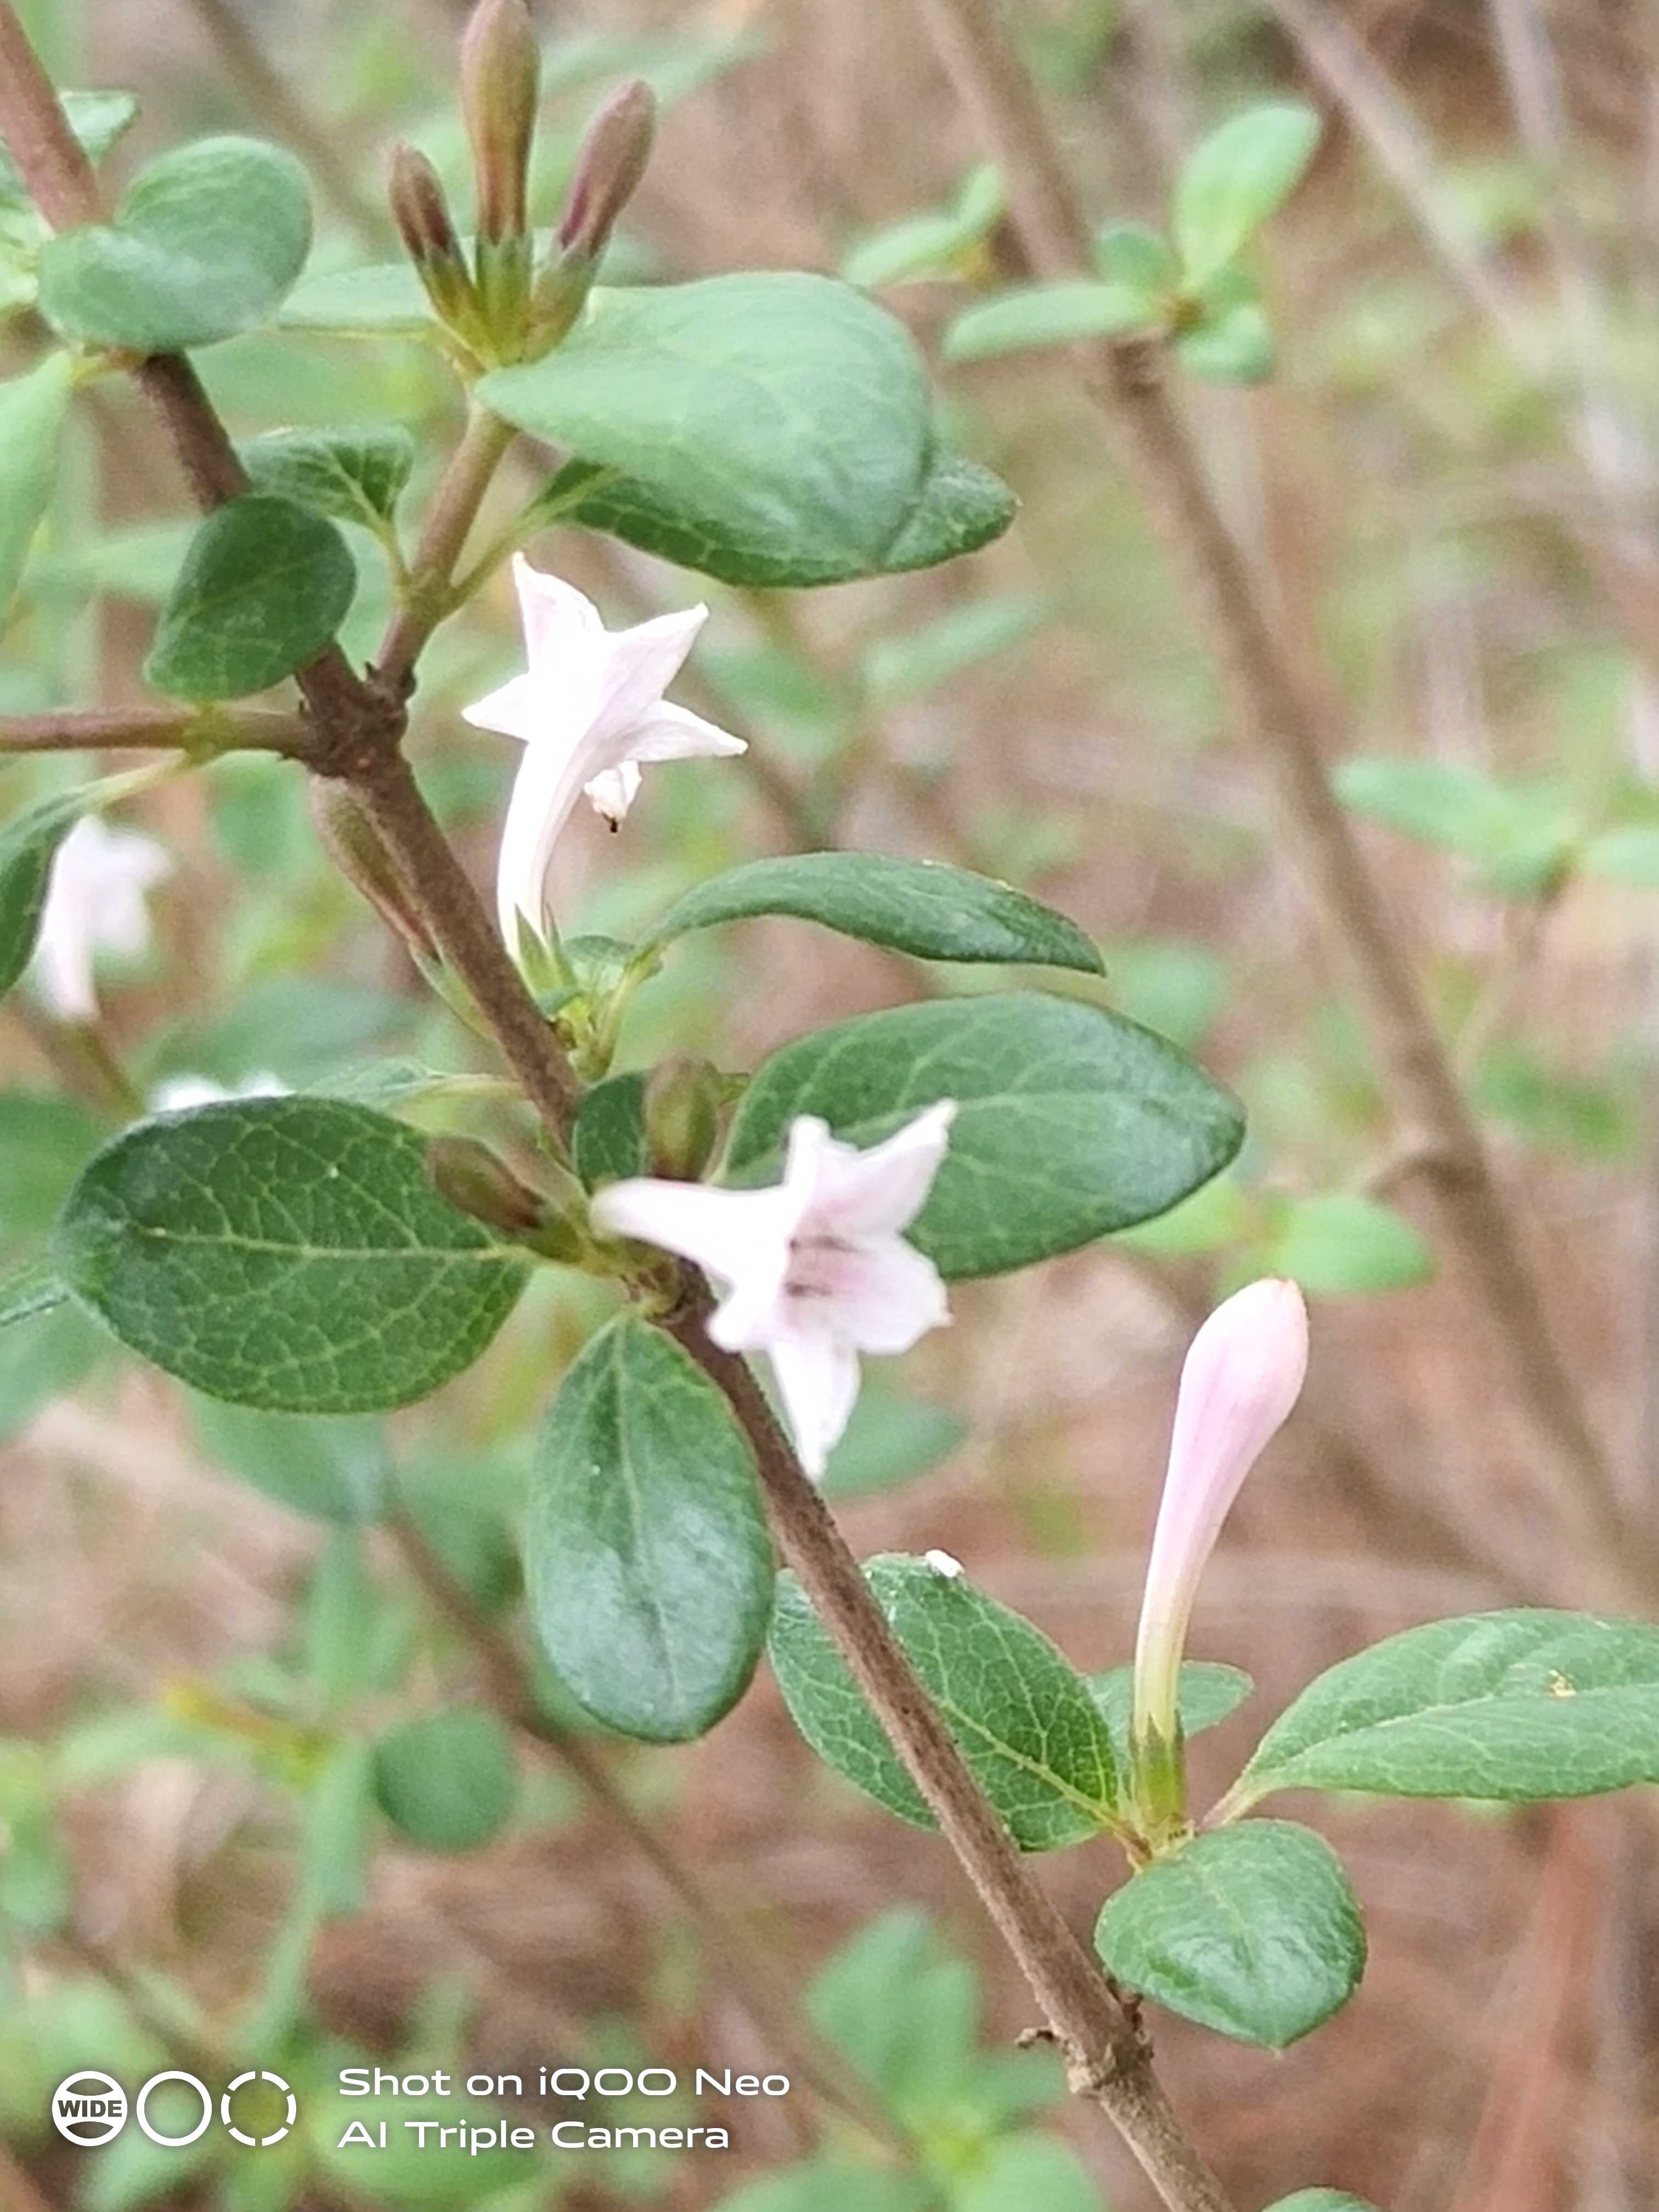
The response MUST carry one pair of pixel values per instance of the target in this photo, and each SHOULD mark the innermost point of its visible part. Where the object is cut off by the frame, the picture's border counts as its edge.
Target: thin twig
(153, 729)
(757, 1987)
(1291, 734)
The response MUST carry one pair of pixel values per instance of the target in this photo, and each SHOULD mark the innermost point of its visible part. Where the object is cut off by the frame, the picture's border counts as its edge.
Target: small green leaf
(28, 845)
(1016, 2173)
(608, 1143)
(1231, 342)
(335, 1468)
(1208, 1694)
(33, 409)
(890, 1441)
(769, 429)
(1321, 2200)
(263, 588)
(1129, 254)
(1342, 1244)
(647, 1556)
(940, 244)
(924, 907)
(1627, 855)
(1050, 315)
(1514, 1706)
(97, 119)
(1070, 1120)
(1522, 833)
(1023, 1717)
(205, 243)
(904, 2012)
(911, 663)
(1234, 179)
(1252, 1930)
(384, 300)
(348, 476)
(449, 1781)
(284, 1253)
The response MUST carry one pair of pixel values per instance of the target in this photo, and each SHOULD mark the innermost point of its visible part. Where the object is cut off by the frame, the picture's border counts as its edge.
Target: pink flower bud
(501, 89)
(611, 162)
(420, 210)
(1243, 1374)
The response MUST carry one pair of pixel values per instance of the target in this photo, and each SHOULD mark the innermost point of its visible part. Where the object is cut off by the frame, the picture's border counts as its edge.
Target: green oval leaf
(284, 1253)
(1071, 1121)
(384, 300)
(921, 906)
(1234, 179)
(768, 428)
(647, 1556)
(353, 474)
(1050, 315)
(1252, 1930)
(1340, 1243)
(1021, 1716)
(449, 1780)
(263, 588)
(1518, 1705)
(1232, 343)
(33, 409)
(205, 243)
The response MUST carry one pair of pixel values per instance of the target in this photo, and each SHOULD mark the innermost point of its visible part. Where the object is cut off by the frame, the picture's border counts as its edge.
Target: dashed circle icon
(90, 2108)
(260, 2073)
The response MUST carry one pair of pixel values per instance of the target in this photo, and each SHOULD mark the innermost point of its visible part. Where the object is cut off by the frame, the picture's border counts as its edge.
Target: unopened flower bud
(682, 1096)
(476, 1180)
(500, 86)
(420, 210)
(609, 167)
(354, 845)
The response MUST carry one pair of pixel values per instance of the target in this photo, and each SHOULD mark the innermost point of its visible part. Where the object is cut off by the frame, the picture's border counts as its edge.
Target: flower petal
(519, 709)
(886, 1295)
(882, 1190)
(817, 1378)
(560, 624)
(674, 734)
(740, 1236)
(639, 665)
(613, 791)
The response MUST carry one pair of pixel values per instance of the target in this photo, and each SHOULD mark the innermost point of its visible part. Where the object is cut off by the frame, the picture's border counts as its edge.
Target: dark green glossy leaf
(1517, 1706)
(449, 1781)
(284, 1253)
(205, 243)
(769, 430)
(921, 906)
(647, 1556)
(263, 588)
(1251, 1929)
(1070, 1120)
(1024, 1720)
(350, 475)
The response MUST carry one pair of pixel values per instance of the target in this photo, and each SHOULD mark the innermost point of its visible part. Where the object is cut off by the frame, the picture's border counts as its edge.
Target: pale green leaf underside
(1516, 1705)
(1023, 1718)
(1252, 1930)
(285, 1253)
(1072, 1122)
(924, 907)
(647, 1556)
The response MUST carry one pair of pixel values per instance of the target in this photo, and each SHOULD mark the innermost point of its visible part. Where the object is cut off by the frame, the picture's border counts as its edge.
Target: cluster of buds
(498, 304)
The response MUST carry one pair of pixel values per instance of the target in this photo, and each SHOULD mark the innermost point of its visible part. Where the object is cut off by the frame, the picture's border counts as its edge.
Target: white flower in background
(101, 878)
(178, 1094)
(1244, 1372)
(814, 1270)
(589, 711)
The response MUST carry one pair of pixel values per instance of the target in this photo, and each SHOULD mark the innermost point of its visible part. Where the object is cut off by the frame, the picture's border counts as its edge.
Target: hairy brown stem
(758, 1988)
(1290, 731)
(358, 730)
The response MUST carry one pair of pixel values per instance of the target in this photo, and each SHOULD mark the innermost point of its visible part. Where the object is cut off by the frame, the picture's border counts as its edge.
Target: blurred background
(1448, 489)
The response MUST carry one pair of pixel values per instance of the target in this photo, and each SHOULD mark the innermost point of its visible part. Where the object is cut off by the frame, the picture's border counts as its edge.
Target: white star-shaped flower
(589, 711)
(101, 878)
(814, 1270)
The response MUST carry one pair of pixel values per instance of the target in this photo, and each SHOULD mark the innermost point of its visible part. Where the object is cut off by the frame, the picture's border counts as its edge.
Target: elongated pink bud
(1243, 1374)
(500, 86)
(420, 210)
(609, 167)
